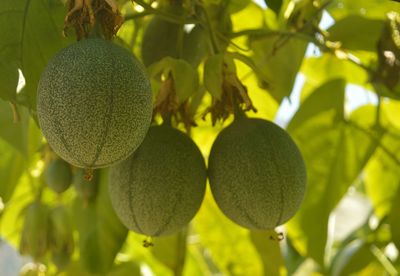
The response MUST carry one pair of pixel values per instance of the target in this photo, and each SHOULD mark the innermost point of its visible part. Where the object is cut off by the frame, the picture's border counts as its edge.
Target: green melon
(159, 189)
(94, 103)
(161, 39)
(58, 175)
(257, 174)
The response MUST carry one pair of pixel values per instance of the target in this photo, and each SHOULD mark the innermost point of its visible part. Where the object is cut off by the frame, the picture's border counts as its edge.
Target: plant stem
(207, 25)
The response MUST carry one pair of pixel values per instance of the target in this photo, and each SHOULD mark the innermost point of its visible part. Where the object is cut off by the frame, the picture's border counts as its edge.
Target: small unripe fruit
(58, 175)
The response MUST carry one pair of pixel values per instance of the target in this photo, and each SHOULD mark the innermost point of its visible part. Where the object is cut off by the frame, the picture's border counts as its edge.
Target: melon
(160, 187)
(58, 175)
(94, 103)
(257, 174)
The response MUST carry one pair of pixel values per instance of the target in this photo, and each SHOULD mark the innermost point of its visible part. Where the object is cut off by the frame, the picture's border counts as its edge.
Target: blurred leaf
(101, 234)
(237, 5)
(335, 154)
(321, 69)
(8, 81)
(232, 5)
(382, 176)
(352, 258)
(279, 58)
(171, 251)
(125, 269)
(227, 244)
(31, 33)
(61, 240)
(370, 9)
(12, 166)
(328, 96)
(350, 31)
(16, 134)
(275, 5)
(394, 221)
(269, 251)
(250, 18)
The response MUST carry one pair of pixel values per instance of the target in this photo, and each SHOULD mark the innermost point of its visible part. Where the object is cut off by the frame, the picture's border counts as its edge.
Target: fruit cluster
(95, 108)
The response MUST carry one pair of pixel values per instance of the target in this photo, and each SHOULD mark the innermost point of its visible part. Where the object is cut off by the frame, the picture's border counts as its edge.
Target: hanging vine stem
(207, 25)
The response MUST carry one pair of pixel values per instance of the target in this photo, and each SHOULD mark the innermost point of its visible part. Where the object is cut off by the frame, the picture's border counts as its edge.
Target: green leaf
(228, 244)
(371, 9)
(185, 79)
(250, 63)
(279, 58)
(171, 251)
(233, 6)
(350, 31)
(352, 258)
(213, 75)
(335, 153)
(184, 75)
(382, 176)
(275, 5)
(31, 33)
(237, 5)
(8, 81)
(12, 166)
(16, 134)
(329, 98)
(124, 269)
(321, 69)
(101, 234)
(269, 251)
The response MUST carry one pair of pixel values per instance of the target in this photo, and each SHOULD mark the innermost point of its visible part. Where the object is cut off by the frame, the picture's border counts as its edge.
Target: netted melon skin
(160, 188)
(94, 103)
(257, 174)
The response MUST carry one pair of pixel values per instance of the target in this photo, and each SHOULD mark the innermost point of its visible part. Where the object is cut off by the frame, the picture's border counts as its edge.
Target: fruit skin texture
(257, 174)
(58, 175)
(94, 103)
(161, 186)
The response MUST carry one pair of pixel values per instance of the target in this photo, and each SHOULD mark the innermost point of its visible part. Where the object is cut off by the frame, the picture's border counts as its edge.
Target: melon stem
(96, 31)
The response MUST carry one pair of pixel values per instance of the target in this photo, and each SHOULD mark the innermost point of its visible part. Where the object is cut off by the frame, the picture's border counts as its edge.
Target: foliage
(262, 50)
